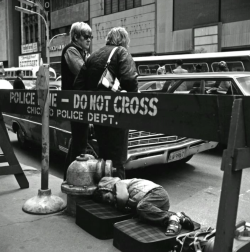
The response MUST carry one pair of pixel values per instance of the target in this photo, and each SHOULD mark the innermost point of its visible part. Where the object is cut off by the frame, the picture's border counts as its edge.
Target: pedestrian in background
(18, 83)
(161, 70)
(223, 66)
(224, 85)
(198, 68)
(179, 69)
(74, 56)
(113, 142)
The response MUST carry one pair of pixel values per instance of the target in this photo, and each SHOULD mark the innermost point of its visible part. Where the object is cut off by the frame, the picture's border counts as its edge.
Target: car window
(190, 67)
(149, 69)
(184, 86)
(233, 66)
(244, 83)
(162, 86)
(205, 86)
(225, 86)
(151, 85)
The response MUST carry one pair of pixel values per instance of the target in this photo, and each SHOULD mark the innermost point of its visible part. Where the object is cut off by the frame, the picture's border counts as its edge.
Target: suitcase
(135, 236)
(98, 219)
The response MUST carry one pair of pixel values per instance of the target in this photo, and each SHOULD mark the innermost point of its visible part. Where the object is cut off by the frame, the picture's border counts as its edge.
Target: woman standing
(113, 142)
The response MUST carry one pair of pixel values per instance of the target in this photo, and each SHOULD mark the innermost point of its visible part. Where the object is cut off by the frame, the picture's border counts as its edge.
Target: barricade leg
(10, 157)
(232, 167)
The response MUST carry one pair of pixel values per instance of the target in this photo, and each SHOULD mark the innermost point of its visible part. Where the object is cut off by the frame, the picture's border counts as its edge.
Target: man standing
(179, 69)
(74, 56)
(18, 83)
(113, 142)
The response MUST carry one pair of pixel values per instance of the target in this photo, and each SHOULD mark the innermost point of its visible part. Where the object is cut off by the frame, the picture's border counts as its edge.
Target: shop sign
(29, 48)
(29, 60)
(56, 48)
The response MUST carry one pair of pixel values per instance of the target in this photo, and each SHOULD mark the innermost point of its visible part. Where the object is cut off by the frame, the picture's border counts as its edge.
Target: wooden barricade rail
(224, 119)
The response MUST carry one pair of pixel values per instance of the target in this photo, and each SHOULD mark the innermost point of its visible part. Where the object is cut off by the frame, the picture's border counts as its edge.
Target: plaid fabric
(101, 211)
(145, 233)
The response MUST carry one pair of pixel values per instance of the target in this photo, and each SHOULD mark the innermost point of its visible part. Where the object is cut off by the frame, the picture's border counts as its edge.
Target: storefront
(55, 50)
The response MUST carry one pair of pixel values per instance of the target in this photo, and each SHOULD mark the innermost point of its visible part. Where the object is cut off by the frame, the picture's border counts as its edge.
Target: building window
(130, 4)
(108, 7)
(137, 3)
(36, 32)
(122, 5)
(26, 35)
(113, 6)
(31, 34)
(61, 4)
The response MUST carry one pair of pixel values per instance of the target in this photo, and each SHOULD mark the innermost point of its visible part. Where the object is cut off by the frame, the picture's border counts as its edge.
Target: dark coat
(68, 77)
(18, 84)
(122, 66)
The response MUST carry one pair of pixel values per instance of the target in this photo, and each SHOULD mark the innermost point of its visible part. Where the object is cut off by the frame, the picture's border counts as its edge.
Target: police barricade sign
(197, 116)
(162, 113)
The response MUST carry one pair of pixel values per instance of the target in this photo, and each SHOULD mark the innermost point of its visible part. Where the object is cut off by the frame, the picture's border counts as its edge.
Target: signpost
(44, 202)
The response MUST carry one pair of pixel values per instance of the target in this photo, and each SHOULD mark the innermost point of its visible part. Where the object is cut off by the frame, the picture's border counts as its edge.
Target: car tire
(21, 138)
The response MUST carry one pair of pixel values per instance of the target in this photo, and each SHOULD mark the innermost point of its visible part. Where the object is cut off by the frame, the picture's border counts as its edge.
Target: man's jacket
(128, 191)
(68, 77)
(122, 66)
(18, 84)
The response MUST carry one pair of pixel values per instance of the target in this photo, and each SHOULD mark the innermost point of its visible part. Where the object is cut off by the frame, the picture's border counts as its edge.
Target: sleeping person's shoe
(173, 226)
(185, 221)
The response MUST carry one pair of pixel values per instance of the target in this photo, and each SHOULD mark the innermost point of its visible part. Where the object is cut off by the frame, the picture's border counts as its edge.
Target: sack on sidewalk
(201, 240)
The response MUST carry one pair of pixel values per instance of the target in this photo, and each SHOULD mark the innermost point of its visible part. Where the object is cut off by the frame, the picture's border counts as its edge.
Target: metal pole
(44, 202)
(45, 128)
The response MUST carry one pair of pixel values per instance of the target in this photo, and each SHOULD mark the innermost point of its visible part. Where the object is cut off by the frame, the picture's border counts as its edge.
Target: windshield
(244, 84)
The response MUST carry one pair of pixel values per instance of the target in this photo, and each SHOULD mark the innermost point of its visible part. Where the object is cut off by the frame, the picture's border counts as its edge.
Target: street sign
(47, 5)
(42, 85)
(141, 111)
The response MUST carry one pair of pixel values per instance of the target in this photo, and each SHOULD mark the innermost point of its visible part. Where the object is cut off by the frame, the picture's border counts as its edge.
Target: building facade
(155, 26)
(10, 33)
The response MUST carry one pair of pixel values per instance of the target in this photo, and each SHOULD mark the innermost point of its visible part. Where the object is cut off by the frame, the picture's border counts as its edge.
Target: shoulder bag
(107, 79)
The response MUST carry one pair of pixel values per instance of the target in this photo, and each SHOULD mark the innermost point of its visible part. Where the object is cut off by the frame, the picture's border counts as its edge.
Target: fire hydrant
(83, 176)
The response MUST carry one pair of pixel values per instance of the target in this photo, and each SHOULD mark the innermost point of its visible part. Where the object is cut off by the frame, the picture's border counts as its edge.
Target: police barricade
(224, 119)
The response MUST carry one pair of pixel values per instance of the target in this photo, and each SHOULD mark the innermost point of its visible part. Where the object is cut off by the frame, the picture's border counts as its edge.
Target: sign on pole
(47, 5)
(42, 85)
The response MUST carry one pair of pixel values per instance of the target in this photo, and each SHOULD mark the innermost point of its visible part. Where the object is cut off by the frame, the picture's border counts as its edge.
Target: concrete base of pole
(44, 203)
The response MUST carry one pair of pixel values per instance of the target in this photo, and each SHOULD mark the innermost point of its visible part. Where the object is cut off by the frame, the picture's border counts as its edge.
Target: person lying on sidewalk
(151, 202)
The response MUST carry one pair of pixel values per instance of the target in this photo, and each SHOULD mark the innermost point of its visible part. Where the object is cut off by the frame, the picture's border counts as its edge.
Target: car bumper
(143, 157)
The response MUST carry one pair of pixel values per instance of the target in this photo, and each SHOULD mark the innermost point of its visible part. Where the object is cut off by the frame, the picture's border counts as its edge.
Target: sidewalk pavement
(22, 232)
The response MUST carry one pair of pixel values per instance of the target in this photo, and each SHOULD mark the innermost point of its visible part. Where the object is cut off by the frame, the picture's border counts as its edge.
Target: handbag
(107, 79)
(200, 240)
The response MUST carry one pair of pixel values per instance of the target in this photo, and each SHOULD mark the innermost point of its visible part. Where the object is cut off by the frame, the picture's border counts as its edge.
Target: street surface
(193, 188)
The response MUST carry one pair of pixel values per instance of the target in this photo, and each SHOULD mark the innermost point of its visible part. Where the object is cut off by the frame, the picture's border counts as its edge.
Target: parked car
(59, 78)
(55, 85)
(4, 84)
(144, 148)
(238, 83)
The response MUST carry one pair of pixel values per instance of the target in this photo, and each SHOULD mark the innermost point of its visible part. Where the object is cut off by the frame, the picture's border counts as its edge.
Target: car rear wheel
(21, 138)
